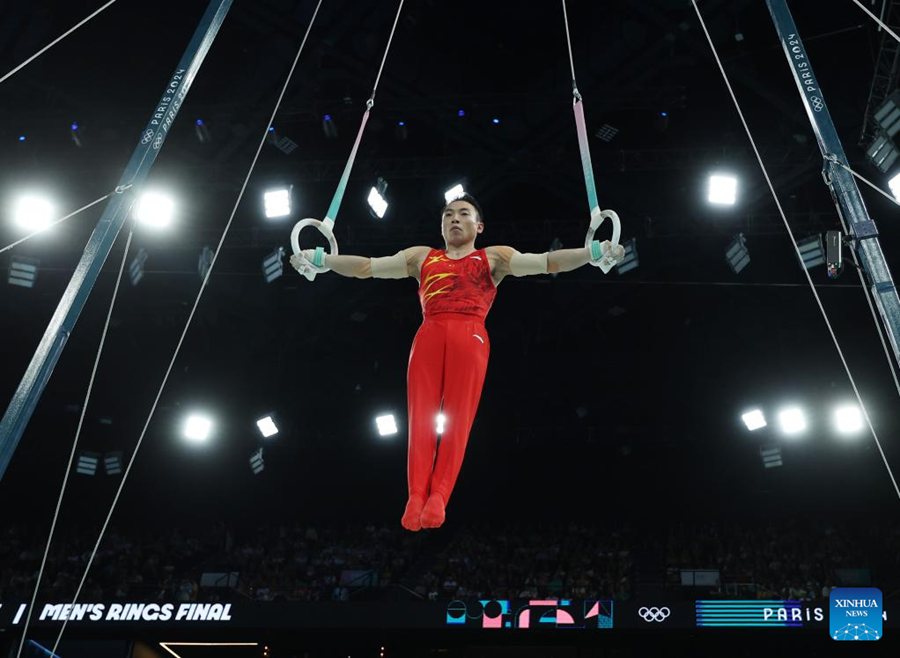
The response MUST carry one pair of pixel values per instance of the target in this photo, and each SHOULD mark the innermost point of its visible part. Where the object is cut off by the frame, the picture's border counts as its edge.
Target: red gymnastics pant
(447, 365)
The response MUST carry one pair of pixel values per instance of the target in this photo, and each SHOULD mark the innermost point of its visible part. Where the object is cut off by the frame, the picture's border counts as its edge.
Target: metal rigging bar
(851, 208)
(36, 376)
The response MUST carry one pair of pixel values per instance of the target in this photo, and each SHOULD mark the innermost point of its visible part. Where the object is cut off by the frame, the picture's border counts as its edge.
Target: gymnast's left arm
(506, 260)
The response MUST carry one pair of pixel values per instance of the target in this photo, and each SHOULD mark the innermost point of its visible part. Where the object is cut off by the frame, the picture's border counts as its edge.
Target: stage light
(848, 419)
(722, 190)
(386, 425)
(771, 456)
(197, 428)
(23, 271)
(606, 133)
(112, 463)
(811, 251)
(378, 204)
(664, 114)
(87, 463)
(155, 209)
(204, 263)
(495, 121)
(273, 265)
(754, 419)
(277, 202)
(630, 259)
(460, 113)
(792, 420)
(256, 462)
(737, 255)
(894, 184)
(136, 268)
(441, 422)
(454, 193)
(21, 138)
(73, 131)
(201, 131)
(284, 144)
(882, 152)
(33, 212)
(329, 127)
(267, 427)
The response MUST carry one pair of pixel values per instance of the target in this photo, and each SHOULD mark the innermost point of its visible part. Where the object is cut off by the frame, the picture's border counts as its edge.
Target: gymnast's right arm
(407, 262)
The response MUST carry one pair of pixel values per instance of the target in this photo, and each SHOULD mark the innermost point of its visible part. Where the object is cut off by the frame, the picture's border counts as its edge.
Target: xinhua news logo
(855, 614)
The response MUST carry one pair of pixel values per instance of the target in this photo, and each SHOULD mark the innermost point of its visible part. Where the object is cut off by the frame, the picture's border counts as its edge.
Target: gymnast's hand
(302, 261)
(617, 253)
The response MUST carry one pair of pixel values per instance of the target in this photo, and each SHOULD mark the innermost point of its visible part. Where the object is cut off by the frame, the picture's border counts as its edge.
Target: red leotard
(447, 365)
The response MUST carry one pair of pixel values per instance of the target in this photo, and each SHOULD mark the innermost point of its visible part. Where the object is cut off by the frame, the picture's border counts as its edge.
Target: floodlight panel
(377, 203)
(277, 203)
(454, 193)
(894, 184)
(197, 428)
(722, 190)
(267, 427)
(848, 419)
(630, 259)
(754, 419)
(386, 424)
(23, 271)
(33, 212)
(155, 209)
(792, 420)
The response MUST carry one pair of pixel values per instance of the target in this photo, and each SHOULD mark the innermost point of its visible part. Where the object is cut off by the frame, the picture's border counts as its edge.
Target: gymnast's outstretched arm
(407, 262)
(506, 260)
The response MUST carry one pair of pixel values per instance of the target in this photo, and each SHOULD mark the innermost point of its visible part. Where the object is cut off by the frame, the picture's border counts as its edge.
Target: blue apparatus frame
(851, 209)
(36, 376)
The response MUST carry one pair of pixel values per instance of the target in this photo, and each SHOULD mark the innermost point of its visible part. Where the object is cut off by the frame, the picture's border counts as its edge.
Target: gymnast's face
(460, 223)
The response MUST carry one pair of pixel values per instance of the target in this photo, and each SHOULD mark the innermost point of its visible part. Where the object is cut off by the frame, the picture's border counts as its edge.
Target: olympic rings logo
(157, 142)
(654, 614)
(817, 103)
(148, 135)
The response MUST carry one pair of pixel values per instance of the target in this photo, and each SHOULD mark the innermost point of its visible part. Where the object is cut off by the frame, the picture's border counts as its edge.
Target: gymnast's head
(461, 221)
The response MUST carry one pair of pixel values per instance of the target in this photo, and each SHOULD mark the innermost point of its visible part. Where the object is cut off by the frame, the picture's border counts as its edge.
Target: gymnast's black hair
(468, 198)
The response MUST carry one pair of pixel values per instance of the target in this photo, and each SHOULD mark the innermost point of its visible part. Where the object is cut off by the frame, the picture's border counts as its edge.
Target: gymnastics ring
(324, 228)
(597, 216)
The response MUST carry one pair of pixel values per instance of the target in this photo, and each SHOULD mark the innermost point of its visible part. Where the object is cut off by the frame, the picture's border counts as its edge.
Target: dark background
(615, 396)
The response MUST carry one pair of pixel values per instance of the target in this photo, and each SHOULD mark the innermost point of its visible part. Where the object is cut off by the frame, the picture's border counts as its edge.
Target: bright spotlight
(454, 193)
(277, 202)
(386, 424)
(155, 209)
(267, 427)
(441, 420)
(33, 212)
(754, 420)
(377, 203)
(197, 428)
(894, 184)
(792, 420)
(722, 190)
(848, 419)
